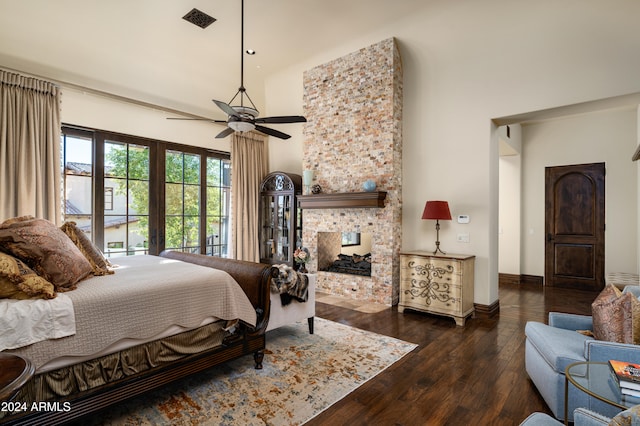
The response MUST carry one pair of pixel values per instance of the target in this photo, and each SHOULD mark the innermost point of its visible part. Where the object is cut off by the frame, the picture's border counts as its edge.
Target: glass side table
(593, 378)
(15, 371)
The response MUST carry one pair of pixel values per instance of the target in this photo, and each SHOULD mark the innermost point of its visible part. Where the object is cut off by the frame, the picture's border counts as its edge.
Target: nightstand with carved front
(438, 284)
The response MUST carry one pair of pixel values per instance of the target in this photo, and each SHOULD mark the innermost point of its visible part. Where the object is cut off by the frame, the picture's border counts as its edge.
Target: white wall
(100, 112)
(510, 190)
(638, 183)
(466, 63)
(607, 136)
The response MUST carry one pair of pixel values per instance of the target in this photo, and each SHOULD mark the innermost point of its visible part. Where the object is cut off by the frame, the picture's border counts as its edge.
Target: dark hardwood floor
(471, 375)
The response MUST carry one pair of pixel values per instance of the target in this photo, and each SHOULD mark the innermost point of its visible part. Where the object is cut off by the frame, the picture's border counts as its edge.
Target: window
(218, 206)
(108, 198)
(126, 169)
(182, 201)
(77, 161)
(154, 195)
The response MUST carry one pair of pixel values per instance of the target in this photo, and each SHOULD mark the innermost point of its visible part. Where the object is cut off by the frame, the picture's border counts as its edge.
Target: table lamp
(438, 210)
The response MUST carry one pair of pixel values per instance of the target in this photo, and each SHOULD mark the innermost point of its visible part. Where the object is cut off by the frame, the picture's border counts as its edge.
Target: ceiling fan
(241, 118)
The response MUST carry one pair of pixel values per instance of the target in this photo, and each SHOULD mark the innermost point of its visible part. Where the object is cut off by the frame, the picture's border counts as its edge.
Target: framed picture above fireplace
(350, 239)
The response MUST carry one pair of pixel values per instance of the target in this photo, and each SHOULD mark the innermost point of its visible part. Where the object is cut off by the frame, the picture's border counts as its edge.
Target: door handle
(549, 237)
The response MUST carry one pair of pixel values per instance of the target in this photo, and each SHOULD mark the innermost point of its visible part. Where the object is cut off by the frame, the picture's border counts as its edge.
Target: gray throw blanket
(290, 285)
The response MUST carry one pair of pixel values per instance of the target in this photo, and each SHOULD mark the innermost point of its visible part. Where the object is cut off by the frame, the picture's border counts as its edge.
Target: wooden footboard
(254, 278)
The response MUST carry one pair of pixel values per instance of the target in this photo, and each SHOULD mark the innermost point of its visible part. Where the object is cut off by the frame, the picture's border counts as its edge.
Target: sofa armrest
(633, 289)
(570, 321)
(584, 417)
(603, 351)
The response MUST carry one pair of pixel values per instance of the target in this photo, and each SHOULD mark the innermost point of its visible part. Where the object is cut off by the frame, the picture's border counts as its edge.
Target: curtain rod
(62, 84)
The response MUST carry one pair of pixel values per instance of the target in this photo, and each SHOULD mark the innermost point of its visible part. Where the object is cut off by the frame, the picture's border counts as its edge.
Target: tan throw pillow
(47, 250)
(99, 263)
(616, 316)
(18, 281)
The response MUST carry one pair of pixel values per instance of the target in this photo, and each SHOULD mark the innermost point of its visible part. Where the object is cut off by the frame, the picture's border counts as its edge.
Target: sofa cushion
(559, 347)
(47, 250)
(616, 316)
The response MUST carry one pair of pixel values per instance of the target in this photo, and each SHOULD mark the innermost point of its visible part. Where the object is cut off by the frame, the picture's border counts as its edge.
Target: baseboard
(532, 279)
(512, 279)
(515, 279)
(487, 311)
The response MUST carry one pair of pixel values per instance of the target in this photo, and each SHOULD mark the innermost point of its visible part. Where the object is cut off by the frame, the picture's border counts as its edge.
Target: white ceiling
(143, 49)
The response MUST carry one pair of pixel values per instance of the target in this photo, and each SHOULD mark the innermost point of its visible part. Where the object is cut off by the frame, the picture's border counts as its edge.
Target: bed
(153, 321)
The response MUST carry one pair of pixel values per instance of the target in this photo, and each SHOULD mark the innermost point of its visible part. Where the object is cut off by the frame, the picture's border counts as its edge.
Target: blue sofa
(583, 417)
(550, 348)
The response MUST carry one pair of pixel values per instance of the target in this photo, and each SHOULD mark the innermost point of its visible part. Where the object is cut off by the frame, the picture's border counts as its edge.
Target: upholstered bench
(295, 311)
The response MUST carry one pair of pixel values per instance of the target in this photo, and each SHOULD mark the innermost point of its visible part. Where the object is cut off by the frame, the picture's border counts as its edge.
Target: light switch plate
(463, 238)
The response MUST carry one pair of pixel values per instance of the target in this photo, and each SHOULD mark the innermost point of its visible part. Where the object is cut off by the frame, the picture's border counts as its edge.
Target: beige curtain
(249, 165)
(29, 148)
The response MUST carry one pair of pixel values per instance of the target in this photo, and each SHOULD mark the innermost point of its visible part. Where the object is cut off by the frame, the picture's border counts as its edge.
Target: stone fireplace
(354, 132)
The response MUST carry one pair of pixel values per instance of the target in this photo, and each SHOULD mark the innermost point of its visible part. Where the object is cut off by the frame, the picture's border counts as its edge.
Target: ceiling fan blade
(225, 107)
(226, 132)
(197, 119)
(272, 132)
(282, 119)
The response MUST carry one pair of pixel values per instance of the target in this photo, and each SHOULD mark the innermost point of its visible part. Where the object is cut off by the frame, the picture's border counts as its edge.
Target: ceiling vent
(199, 18)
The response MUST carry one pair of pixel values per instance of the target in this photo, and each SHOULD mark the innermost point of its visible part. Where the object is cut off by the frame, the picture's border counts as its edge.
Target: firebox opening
(345, 252)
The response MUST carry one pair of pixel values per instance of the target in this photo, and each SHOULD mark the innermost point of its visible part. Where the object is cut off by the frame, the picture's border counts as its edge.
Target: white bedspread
(23, 322)
(145, 296)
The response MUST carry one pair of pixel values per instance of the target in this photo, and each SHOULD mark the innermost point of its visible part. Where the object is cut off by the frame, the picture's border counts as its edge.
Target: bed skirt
(57, 384)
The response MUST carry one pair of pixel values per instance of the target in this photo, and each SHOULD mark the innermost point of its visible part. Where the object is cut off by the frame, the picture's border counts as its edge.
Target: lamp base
(438, 248)
(438, 238)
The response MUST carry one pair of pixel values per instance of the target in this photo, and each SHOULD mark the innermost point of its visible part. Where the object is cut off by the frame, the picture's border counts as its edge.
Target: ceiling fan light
(241, 126)
(240, 109)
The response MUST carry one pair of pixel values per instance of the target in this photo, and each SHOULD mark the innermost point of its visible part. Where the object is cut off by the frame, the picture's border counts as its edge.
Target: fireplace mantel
(345, 200)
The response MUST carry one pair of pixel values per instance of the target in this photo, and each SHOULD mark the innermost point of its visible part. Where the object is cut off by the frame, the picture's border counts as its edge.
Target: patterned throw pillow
(99, 263)
(630, 416)
(616, 316)
(16, 219)
(47, 250)
(18, 281)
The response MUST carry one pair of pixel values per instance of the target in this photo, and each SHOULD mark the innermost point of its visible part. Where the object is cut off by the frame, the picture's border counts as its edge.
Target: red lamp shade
(436, 210)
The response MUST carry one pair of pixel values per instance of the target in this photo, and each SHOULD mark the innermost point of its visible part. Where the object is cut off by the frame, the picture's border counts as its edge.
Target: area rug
(303, 375)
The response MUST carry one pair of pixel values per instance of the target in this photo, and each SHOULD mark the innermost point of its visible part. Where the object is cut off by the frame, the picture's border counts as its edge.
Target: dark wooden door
(574, 225)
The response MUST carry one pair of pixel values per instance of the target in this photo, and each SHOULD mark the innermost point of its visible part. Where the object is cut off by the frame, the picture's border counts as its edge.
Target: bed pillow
(18, 281)
(16, 219)
(616, 316)
(99, 263)
(47, 250)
